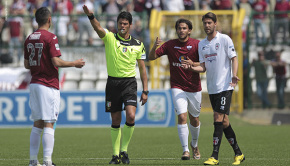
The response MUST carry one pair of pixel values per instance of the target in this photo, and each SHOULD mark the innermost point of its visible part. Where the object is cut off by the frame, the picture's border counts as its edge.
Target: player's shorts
(186, 101)
(120, 91)
(221, 102)
(44, 103)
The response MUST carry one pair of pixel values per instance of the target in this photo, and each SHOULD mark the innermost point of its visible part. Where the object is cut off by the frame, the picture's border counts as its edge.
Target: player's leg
(194, 106)
(35, 138)
(48, 142)
(180, 105)
(114, 106)
(130, 102)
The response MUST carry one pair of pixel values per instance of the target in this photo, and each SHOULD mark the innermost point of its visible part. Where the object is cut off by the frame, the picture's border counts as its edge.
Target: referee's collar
(123, 38)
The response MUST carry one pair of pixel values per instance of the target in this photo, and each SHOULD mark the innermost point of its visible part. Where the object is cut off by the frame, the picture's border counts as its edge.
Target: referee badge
(109, 104)
(217, 45)
(125, 49)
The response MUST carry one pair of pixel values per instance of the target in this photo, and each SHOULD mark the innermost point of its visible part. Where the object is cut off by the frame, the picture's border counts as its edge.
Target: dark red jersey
(39, 48)
(180, 78)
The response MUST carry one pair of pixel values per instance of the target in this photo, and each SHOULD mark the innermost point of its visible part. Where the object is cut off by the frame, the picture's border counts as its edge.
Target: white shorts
(44, 103)
(184, 101)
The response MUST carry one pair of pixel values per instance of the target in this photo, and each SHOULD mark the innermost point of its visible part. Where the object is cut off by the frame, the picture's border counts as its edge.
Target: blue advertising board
(82, 108)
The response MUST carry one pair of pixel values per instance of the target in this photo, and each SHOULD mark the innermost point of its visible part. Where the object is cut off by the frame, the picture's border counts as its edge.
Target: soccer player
(218, 58)
(185, 84)
(122, 51)
(42, 57)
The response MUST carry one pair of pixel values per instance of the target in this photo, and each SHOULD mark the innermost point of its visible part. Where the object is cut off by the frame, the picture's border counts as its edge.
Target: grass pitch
(262, 145)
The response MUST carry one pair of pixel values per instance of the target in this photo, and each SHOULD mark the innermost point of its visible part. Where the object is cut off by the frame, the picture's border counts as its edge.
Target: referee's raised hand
(87, 11)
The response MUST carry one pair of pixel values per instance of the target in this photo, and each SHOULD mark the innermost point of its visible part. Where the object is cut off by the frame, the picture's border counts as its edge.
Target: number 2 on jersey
(38, 46)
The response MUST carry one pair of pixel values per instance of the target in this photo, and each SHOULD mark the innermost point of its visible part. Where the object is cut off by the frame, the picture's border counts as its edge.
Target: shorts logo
(215, 140)
(217, 45)
(125, 49)
(109, 104)
(222, 107)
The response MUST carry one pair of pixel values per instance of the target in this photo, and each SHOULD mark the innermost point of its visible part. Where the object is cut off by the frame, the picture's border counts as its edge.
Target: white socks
(194, 134)
(35, 137)
(48, 143)
(183, 136)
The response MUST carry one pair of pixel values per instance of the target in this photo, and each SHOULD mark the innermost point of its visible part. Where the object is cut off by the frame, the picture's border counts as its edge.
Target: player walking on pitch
(185, 84)
(122, 51)
(42, 57)
(216, 55)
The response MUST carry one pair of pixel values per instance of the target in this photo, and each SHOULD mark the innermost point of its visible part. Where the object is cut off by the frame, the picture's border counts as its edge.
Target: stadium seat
(89, 75)
(70, 85)
(101, 85)
(72, 75)
(86, 85)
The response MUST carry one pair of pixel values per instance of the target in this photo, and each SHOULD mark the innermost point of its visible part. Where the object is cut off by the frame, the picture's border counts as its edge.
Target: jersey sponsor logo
(176, 64)
(210, 57)
(217, 46)
(54, 37)
(124, 49)
(34, 36)
(56, 46)
(188, 47)
(177, 47)
(182, 57)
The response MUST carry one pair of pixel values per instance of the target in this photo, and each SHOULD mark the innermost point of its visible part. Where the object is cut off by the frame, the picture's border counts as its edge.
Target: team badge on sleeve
(56, 46)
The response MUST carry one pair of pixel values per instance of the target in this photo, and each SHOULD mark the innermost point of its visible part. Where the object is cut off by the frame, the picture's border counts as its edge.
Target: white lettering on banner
(7, 110)
(72, 108)
(21, 109)
(93, 100)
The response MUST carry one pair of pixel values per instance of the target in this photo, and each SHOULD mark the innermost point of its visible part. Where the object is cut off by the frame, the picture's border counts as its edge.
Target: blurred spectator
(281, 20)
(137, 30)
(246, 79)
(61, 11)
(279, 67)
(153, 4)
(139, 5)
(260, 6)
(98, 6)
(262, 80)
(2, 24)
(112, 9)
(244, 4)
(84, 25)
(17, 11)
(188, 5)
(221, 5)
(204, 5)
(111, 26)
(173, 5)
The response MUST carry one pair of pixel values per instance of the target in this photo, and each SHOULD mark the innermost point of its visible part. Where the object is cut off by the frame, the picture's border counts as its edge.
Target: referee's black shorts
(221, 102)
(119, 91)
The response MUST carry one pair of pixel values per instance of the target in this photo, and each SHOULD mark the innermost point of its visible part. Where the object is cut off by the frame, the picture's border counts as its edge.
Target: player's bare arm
(26, 64)
(58, 62)
(193, 66)
(144, 80)
(95, 23)
(152, 53)
(235, 78)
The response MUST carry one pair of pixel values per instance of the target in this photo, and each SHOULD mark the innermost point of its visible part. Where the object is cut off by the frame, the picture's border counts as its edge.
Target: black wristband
(145, 92)
(91, 17)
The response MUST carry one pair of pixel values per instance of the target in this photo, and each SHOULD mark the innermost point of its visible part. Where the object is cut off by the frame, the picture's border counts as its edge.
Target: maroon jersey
(180, 78)
(39, 48)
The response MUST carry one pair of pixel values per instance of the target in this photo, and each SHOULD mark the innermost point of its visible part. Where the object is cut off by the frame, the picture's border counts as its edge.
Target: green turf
(262, 145)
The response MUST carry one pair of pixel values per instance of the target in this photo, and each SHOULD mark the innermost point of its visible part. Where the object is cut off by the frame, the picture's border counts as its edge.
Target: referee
(122, 51)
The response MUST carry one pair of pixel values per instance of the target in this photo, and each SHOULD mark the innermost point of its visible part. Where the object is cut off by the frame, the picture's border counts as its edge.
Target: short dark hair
(41, 15)
(210, 15)
(125, 15)
(182, 20)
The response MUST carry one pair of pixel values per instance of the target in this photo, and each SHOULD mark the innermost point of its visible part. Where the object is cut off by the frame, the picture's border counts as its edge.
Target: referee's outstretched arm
(95, 23)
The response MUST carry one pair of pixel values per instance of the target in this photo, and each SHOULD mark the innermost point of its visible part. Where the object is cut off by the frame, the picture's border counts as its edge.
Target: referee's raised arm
(95, 23)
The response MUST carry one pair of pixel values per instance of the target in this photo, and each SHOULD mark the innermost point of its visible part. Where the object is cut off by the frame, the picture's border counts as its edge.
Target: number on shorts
(223, 102)
(38, 46)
